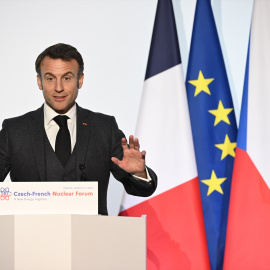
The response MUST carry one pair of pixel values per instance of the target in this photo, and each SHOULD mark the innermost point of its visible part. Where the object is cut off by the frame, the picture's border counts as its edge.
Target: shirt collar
(49, 114)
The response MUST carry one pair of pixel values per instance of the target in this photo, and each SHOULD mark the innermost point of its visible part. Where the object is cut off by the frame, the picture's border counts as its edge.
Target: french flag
(175, 226)
(248, 232)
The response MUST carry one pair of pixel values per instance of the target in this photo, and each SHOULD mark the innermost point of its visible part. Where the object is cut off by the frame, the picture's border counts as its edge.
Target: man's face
(60, 83)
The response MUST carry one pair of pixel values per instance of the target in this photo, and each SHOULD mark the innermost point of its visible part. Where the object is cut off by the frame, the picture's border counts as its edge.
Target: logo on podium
(5, 193)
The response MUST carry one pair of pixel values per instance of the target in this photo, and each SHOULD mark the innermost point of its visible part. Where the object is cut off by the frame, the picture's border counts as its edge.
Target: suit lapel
(37, 131)
(82, 140)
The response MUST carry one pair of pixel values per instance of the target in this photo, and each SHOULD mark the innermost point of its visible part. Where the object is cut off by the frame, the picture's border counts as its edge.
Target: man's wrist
(141, 175)
(146, 178)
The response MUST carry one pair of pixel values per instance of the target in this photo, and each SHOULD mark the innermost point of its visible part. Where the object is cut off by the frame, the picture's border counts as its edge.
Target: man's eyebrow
(68, 73)
(65, 74)
(48, 73)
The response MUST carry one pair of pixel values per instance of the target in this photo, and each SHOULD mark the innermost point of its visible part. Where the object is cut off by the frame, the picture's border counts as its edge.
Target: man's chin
(61, 109)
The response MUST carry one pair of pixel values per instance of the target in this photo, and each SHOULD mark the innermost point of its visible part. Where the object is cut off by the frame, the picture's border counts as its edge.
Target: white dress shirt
(52, 129)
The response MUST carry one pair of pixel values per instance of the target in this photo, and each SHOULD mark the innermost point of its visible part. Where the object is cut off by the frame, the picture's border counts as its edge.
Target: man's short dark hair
(61, 51)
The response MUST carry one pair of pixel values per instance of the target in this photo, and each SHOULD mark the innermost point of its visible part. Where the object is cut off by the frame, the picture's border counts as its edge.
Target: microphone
(83, 174)
(81, 167)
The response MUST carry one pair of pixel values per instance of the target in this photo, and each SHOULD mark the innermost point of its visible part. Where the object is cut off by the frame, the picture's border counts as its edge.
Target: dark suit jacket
(98, 139)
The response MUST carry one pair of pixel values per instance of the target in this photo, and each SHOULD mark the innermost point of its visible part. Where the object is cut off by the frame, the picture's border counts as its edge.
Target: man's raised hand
(133, 160)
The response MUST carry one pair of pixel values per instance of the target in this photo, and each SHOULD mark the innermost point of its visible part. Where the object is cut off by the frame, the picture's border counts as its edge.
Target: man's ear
(39, 82)
(80, 81)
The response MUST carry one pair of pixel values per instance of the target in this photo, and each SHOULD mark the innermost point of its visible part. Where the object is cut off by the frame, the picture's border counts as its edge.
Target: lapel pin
(85, 124)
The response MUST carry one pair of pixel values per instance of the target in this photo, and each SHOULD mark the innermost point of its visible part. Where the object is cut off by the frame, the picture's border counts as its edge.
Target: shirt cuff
(148, 179)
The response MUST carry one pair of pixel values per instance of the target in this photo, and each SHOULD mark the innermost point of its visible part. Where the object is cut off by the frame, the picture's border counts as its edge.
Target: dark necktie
(63, 142)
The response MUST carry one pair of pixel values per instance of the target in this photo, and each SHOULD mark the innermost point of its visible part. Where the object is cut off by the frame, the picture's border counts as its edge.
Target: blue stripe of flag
(206, 56)
(164, 50)
(242, 132)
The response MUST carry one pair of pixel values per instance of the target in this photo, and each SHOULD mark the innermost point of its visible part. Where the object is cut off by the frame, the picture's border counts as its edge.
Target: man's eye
(66, 78)
(50, 79)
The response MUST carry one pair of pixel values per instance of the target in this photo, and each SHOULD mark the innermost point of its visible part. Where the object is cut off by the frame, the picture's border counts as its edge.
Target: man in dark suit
(64, 142)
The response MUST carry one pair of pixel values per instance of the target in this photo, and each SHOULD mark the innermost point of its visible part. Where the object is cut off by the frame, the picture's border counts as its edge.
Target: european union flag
(214, 127)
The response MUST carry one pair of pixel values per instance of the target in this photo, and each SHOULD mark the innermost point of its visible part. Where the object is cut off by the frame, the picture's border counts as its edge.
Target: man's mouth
(59, 98)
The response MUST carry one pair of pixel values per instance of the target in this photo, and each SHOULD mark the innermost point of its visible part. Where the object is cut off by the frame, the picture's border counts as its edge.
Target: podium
(72, 242)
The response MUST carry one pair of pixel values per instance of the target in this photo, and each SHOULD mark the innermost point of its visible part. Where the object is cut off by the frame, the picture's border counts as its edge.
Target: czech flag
(248, 233)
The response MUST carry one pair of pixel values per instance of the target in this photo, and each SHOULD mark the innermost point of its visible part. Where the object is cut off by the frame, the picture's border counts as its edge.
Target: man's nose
(58, 86)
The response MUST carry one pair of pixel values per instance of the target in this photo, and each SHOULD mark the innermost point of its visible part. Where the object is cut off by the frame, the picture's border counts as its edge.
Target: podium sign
(49, 198)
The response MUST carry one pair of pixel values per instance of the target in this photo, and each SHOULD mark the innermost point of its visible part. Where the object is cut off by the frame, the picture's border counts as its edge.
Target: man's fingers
(124, 143)
(143, 154)
(136, 144)
(115, 160)
(131, 142)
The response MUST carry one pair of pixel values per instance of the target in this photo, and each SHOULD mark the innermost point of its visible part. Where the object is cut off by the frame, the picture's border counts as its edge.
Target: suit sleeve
(4, 152)
(132, 185)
